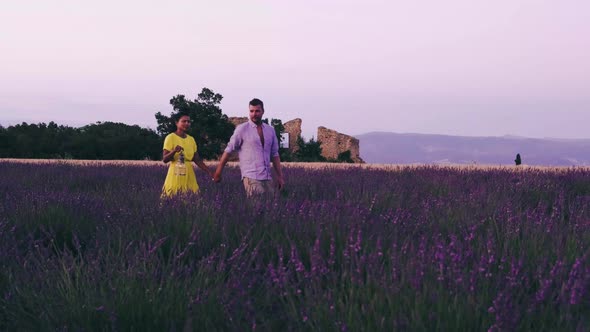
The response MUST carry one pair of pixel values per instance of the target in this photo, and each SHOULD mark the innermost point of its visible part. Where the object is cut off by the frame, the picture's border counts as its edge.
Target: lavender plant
(429, 248)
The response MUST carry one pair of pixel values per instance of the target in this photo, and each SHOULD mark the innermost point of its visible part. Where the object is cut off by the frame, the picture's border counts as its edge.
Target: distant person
(257, 144)
(181, 148)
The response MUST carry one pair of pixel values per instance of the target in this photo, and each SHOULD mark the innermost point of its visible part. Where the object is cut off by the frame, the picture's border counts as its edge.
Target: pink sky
(477, 68)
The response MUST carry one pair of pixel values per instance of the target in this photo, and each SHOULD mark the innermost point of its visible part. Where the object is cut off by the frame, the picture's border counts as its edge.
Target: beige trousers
(258, 187)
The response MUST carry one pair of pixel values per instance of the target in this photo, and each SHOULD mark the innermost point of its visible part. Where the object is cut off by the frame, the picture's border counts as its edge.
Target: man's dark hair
(256, 102)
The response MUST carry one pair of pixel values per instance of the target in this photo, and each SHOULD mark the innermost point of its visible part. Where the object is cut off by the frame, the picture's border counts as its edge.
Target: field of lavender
(415, 248)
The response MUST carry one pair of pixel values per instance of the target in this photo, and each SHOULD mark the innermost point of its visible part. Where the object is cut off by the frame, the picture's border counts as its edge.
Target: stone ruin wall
(293, 128)
(333, 142)
(237, 120)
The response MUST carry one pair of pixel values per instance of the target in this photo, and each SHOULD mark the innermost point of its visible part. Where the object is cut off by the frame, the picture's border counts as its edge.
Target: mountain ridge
(402, 148)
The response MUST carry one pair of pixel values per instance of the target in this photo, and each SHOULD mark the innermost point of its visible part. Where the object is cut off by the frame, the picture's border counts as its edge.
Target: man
(256, 143)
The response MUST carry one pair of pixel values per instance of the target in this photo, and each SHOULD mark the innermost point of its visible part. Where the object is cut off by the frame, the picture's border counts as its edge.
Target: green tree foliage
(517, 161)
(285, 155)
(35, 140)
(97, 141)
(6, 142)
(110, 140)
(279, 129)
(345, 157)
(209, 126)
(308, 151)
(277, 124)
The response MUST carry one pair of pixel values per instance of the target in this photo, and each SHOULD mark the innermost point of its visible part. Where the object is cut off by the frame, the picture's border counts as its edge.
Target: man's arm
(235, 143)
(222, 162)
(276, 163)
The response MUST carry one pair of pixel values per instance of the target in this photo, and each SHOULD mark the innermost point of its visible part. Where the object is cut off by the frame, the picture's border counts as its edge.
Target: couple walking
(255, 141)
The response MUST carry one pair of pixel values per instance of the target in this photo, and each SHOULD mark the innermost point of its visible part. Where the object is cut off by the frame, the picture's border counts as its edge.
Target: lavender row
(427, 248)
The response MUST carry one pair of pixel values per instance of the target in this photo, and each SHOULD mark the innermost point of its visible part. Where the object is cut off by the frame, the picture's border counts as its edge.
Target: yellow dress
(180, 179)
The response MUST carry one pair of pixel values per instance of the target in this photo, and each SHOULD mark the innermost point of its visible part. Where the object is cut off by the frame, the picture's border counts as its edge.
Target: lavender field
(343, 249)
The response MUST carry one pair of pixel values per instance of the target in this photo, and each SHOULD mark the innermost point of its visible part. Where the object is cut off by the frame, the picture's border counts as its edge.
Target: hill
(394, 148)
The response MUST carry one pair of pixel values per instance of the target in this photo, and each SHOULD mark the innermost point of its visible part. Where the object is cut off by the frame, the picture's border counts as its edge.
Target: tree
(35, 140)
(345, 157)
(279, 129)
(308, 151)
(517, 161)
(209, 126)
(6, 143)
(277, 124)
(106, 140)
(111, 140)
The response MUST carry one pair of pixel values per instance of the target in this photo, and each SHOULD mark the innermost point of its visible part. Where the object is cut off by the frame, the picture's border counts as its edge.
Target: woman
(181, 149)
